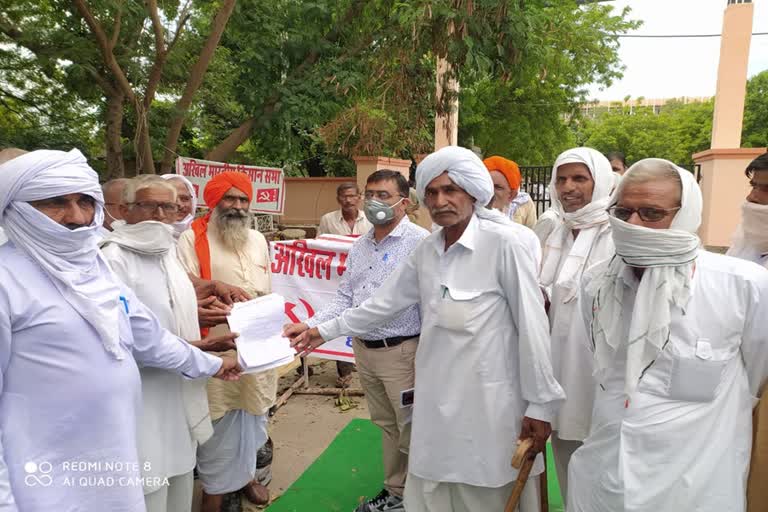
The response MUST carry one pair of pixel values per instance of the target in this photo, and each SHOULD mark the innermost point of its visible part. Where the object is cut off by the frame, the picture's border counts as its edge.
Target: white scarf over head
(668, 257)
(751, 239)
(70, 257)
(591, 220)
(182, 225)
(467, 171)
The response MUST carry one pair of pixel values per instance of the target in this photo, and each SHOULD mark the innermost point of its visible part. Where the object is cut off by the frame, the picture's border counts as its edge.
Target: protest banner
(307, 273)
(268, 182)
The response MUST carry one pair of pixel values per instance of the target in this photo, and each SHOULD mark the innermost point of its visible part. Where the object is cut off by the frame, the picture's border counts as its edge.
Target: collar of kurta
(360, 216)
(398, 232)
(467, 238)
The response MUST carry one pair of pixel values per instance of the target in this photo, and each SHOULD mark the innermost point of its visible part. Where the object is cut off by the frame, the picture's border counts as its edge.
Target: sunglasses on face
(646, 214)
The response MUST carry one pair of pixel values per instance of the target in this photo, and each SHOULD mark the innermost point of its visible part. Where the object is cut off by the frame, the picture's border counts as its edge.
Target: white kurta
(483, 360)
(67, 405)
(3, 238)
(165, 435)
(571, 354)
(683, 442)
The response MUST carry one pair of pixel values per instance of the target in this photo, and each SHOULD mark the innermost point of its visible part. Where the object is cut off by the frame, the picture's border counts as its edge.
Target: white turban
(668, 256)
(69, 257)
(182, 225)
(591, 220)
(467, 171)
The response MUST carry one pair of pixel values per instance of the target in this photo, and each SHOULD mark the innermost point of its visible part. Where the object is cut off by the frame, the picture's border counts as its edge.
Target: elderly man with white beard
(582, 181)
(141, 250)
(483, 372)
(679, 341)
(222, 246)
(71, 338)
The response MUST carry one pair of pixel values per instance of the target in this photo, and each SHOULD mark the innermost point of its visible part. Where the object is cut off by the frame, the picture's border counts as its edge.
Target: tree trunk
(228, 146)
(114, 121)
(145, 164)
(193, 84)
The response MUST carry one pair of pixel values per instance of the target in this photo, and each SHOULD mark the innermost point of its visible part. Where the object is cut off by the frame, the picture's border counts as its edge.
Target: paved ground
(304, 427)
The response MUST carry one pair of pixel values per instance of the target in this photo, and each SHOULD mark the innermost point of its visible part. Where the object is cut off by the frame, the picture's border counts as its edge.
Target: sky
(664, 68)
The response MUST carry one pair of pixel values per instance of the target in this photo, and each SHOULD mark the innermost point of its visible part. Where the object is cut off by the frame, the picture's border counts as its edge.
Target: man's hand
(216, 343)
(537, 430)
(229, 370)
(305, 342)
(229, 294)
(211, 312)
(226, 293)
(293, 330)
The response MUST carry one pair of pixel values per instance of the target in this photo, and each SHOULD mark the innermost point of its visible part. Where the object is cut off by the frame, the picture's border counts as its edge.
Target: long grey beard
(233, 230)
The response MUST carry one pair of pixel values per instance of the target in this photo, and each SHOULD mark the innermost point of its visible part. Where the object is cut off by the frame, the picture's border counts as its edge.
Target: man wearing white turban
(187, 201)
(582, 183)
(678, 335)
(71, 339)
(483, 372)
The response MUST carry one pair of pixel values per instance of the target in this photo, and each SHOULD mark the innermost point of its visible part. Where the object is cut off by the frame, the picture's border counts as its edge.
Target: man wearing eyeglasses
(582, 182)
(141, 250)
(678, 336)
(222, 246)
(384, 356)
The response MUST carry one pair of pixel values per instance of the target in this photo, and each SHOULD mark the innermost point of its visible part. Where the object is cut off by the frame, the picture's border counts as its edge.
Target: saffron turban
(508, 168)
(213, 194)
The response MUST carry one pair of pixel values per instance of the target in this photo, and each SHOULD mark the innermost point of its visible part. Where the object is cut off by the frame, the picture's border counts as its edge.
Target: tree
(382, 66)
(755, 130)
(126, 61)
(678, 131)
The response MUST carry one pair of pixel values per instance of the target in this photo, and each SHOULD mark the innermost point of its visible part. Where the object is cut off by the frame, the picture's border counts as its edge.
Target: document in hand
(261, 344)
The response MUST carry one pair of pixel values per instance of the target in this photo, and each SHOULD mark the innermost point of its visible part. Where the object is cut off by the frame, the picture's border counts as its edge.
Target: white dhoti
(174, 497)
(427, 496)
(227, 461)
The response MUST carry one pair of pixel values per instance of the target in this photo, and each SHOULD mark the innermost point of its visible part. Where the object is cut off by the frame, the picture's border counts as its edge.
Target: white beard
(232, 230)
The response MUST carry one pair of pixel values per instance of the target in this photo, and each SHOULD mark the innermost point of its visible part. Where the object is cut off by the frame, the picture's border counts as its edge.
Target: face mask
(379, 213)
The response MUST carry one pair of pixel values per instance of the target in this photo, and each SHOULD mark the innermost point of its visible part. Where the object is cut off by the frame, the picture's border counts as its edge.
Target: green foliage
(677, 132)
(755, 130)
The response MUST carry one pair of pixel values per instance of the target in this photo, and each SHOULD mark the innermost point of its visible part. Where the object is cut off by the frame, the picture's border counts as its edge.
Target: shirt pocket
(697, 378)
(456, 308)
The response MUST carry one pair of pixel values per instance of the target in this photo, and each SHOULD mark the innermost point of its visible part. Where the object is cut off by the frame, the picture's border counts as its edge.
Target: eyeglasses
(381, 195)
(151, 207)
(646, 214)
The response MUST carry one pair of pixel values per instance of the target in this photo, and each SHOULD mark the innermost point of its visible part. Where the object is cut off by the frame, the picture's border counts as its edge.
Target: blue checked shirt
(368, 264)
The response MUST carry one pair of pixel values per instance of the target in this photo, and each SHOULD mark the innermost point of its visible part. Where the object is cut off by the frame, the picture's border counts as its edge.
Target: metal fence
(536, 182)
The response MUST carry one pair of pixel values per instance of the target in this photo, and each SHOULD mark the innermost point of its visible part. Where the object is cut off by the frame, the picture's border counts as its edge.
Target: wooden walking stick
(523, 464)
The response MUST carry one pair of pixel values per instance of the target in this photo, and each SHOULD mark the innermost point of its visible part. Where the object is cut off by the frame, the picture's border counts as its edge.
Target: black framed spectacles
(647, 214)
(151, 207)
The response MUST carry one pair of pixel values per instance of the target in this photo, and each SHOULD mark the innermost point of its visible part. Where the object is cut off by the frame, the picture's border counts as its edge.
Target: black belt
(387, 342)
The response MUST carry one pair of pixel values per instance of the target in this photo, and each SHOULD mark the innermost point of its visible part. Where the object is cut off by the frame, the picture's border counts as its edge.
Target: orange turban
(508, 168)
(213, 193)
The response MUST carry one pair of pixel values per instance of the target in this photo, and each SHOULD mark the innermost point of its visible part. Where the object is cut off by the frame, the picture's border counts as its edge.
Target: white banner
(268, 182)
(307, 274)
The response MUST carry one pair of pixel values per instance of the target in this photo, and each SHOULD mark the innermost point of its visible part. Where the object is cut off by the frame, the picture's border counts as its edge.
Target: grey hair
(651, 169)
(109, 185)
(142, 182)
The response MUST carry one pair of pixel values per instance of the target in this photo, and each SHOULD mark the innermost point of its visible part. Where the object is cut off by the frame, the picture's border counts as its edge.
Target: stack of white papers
(261, 345)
